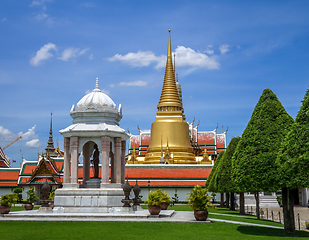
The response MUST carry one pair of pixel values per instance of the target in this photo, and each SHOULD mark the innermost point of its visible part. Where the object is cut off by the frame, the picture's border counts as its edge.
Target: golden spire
(169, 124)
(169, 95)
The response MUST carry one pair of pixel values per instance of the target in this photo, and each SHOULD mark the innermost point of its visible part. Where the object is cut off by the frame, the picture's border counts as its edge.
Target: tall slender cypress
(293, 162)
(254, 160)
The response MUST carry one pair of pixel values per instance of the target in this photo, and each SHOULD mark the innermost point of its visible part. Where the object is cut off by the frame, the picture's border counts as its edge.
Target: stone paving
(138, 216)
(273, 214)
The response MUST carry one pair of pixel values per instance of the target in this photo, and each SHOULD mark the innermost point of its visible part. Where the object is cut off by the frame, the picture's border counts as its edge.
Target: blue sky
(227, 52)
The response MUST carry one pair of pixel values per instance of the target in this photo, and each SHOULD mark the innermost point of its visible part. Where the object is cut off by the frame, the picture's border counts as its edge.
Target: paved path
(273, 214)
(140, 216)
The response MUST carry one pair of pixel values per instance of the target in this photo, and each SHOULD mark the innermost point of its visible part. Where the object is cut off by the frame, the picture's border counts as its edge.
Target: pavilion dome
(97, 107)
(95, 100)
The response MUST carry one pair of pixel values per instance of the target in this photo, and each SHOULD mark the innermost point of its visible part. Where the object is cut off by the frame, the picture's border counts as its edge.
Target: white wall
(4, 191)
(181, 192)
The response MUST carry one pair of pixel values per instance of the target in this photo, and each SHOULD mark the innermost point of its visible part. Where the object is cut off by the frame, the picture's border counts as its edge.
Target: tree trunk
(288, 210)
(227, 199)
(232, 205)
(257, 208)
(242, 203)
(222, 200)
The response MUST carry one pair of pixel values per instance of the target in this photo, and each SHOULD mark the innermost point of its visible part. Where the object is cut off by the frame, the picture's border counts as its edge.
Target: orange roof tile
(9, 174)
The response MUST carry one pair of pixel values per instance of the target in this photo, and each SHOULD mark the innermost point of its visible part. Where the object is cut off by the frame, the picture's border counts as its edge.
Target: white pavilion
(95, 121)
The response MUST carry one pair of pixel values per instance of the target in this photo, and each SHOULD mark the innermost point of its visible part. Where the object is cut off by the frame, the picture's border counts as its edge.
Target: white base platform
(89, 200)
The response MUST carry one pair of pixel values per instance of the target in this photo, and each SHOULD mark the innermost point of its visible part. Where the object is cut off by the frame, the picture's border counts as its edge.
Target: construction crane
(9, 144)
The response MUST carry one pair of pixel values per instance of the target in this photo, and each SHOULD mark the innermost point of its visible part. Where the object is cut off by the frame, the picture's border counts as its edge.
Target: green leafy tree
(293, 163)
(225, 182)
(254, 160)
(211, 183)
(18, 191)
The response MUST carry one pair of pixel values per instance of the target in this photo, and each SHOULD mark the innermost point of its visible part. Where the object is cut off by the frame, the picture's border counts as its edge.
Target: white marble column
(105, 146)
(86, 163)
(113, 179)
(74, 160)
(123, 161)
(117, 160)
(66, 161)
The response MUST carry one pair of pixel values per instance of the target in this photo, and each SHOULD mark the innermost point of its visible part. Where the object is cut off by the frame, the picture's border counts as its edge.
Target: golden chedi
(169, 131)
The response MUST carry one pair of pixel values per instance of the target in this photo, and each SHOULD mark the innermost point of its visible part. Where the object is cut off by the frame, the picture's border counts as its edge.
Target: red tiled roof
(28, 168)
(9, 177)
(205, 138)
(167, 173)
(220, 141)
(167, 183)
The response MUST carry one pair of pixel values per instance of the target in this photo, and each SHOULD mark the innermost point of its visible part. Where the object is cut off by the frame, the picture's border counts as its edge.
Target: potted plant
(200, 202)
(165, 199)
(154, 202)
(307, 224)
(31, 198)
(6, 202)
(51, 198)
(19, 192)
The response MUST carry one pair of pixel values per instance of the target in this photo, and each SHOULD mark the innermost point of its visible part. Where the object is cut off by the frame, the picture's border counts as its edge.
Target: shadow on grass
(262, 231)
(227, 211)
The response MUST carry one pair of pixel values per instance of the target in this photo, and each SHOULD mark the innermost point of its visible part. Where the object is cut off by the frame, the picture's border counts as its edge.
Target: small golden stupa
(170, 125)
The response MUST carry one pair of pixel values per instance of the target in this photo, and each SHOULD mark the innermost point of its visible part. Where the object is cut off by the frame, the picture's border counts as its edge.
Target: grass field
(21, 208)
(136, 231)
(150, 230)
(229, 215)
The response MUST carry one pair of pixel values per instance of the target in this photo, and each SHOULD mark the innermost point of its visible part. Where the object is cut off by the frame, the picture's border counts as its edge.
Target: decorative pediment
(42, 170)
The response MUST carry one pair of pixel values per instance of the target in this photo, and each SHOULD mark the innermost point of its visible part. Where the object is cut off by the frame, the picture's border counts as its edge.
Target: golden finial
(169, 96)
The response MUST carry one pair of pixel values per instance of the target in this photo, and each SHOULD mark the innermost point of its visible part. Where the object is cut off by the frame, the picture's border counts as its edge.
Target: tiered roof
(213, 141)
(9, 177)
(4, 163)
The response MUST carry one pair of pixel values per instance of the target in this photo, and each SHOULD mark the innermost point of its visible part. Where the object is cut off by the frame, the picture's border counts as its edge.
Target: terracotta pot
(164, 206)
(200, 215)
(154, 210)
(4, 209)
(28, 206)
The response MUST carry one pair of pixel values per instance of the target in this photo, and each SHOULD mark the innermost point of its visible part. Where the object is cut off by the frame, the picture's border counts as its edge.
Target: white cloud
(139, 59)
(209, 51)
(87, 5)
(29, 134)
(91, 56)
(3, 19)
(43, 54)
(105, 91)
(88, 91)
(72, 53)
(40, 3)
(68, 53)
(41, 16)
(111, 85)
(134, 83)
(224, 48)
(6, 133)
(188, 57)
(83, 51)
(184, 57)
(34, 143)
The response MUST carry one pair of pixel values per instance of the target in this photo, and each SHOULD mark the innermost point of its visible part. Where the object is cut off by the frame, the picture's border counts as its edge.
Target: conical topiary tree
(293, 163)
(224, 172)
(254, 168)
(211, 183)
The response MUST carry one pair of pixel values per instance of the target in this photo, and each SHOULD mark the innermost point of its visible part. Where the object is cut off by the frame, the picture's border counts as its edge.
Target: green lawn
(133, 230)
(234, 215)
(21, 208)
